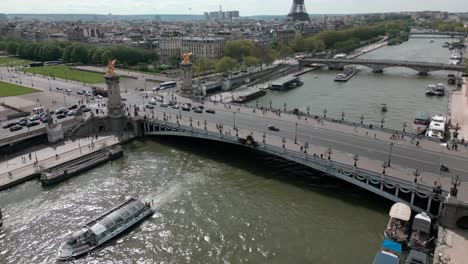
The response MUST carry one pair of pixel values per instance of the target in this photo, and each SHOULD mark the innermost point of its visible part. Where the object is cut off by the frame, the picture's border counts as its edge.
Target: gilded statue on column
(186, 56)
(111, 68)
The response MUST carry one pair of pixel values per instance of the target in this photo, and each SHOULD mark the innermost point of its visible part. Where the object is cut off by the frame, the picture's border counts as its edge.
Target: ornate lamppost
(329, 152)
(404, 127)
(355, 158)
(325, 113)
(284, 142)
(362, 119)
(264, 136)
(382, 122)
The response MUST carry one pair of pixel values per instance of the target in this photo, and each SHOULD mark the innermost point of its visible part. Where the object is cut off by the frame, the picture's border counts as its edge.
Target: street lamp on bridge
(325, 113)
(284, 142)
(390, 155)
(264, 136)
(204, 122)
(295, 135)
(384, 166)
(308, 110)
(329, 152)
(342, 116)
(382, 122)
(306, 146)
(355, 158)
(234, 120)
(404, 127)
(362, 119)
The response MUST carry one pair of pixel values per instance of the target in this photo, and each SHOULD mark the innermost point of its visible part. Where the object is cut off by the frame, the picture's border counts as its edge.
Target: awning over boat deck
(392, 246)
(400, 211)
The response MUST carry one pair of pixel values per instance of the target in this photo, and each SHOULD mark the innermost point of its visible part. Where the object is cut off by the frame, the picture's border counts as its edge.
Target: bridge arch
(392, 189)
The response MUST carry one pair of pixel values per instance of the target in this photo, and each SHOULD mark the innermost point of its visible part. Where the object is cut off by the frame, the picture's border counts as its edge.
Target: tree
(12, 48)
(79, 54)
(299, 43)
(107, 56)
(226, 64)
(97, 57)
(285, 51)
(204, 64)
(238, 49)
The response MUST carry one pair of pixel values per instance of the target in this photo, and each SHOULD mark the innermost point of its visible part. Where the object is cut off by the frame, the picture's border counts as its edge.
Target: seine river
(400, 88)
(220, 204)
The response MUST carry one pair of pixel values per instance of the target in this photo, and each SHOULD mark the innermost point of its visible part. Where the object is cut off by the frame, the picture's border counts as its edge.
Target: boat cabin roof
(392, 246)
(400, 211)
(422, 222)
(417, 257)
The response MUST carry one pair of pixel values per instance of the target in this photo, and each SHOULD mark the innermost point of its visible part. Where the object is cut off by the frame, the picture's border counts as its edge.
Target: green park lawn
(65, 72)
(8, 89)
(12, 61)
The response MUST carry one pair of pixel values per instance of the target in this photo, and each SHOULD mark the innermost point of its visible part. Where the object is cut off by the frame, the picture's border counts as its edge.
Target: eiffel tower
(298, 11)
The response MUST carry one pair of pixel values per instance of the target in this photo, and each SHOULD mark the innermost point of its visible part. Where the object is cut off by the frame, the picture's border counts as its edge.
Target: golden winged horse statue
(111, 68)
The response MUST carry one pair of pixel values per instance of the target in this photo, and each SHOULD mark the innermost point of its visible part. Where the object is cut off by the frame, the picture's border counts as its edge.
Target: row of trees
(71, 52)
(239, 54)
(349, 39)
(445, 26)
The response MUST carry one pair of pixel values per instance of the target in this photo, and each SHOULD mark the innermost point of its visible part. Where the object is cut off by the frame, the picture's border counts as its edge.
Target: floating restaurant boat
(103, 228)
(420, 123)
(437, 127)
(347, 74)
(420, 233)
(431, 90)
(389, 254)
(439, 90)
(398, 226)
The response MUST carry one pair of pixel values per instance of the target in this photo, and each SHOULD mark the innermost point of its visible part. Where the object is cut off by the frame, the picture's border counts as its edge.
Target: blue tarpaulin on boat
(393, 246)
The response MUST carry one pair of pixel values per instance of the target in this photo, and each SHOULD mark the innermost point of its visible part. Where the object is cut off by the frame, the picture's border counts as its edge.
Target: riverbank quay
(458, 113)
(368, 48)
(26, 167)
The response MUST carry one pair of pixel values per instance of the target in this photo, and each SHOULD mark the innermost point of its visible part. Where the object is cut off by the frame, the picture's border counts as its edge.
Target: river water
(400, 88)
(221, 204)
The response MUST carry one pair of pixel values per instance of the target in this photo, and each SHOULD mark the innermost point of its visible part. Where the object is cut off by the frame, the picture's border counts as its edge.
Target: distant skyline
(246, 8)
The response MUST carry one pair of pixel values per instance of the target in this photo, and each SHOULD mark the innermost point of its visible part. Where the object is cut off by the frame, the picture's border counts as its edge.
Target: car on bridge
(34, 118)
(172, 103)
(59, 88)
(164, 104)
(149, 106)
(198, 110)
(176, 106)
(99, 96)
(32, 124)
(22, 122)
(6, 126)
(68, 90)
(81, 92)
(61, 116)
(273, 128)
(15, 128)
(152, 102)
(85, 110)
(210, 111)
(73, 107)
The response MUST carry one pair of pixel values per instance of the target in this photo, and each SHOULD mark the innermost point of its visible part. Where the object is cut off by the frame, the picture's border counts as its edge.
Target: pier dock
(27, 167)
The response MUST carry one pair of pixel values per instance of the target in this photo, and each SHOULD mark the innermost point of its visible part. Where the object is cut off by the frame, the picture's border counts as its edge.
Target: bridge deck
(371, 146)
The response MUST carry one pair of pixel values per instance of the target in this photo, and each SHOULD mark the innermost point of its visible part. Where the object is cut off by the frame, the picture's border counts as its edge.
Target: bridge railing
(170, 128)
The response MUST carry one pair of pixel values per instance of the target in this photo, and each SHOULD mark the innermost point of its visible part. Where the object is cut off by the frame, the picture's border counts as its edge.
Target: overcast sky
(246, 7)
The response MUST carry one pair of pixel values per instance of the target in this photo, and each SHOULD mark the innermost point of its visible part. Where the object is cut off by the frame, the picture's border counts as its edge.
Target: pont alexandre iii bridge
(399, 170)
(423, 68)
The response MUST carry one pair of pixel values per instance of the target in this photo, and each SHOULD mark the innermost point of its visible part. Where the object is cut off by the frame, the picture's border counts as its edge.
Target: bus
(167, 85)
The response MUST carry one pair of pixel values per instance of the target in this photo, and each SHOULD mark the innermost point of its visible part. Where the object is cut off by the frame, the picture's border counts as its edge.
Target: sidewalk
(22, 168)
(459, 110)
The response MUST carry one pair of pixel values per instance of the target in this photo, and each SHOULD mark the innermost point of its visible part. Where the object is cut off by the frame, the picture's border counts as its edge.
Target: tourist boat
(347, 74)
(389, 254)
(420, 123)
(439, 90)
(420, 233)
(455, 55)
(103, 228)
(431, 90)
(383, 108)
(436, 128)
(398, 226)
(417, 257)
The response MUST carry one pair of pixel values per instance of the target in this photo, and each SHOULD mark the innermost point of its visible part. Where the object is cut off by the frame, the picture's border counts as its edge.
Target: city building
(203, 47)
(221, 16)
